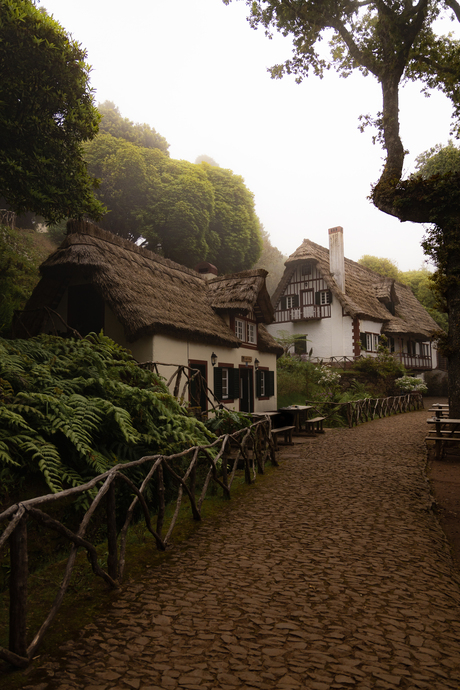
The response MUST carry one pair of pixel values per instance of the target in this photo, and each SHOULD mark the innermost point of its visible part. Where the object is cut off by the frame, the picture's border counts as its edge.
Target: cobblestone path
(332, 573)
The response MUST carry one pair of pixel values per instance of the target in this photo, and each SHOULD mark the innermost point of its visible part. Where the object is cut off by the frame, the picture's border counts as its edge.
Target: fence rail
(367, 409)
(252, 447)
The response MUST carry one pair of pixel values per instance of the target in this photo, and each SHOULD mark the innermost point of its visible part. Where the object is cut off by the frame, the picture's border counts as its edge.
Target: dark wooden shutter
(283, 303)
(218, 382)
(269, 384)
(362, 337)
(318, 298)
(295, 301)
(233, 384)
(258, 384)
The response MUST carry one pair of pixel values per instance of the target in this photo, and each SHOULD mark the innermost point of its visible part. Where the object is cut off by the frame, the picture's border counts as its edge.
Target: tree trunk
(451, 243)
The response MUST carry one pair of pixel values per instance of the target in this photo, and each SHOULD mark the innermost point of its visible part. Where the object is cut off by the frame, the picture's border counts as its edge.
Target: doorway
(198, 386)
(246, 390)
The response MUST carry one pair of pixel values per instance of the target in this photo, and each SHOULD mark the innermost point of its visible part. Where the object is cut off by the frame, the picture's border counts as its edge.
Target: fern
(72, 409)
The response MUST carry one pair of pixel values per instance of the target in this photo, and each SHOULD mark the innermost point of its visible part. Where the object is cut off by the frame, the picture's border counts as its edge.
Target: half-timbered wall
(306, 296)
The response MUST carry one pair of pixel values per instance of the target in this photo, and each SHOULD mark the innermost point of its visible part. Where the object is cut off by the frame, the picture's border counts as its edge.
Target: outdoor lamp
(256, 364)
(213, 359)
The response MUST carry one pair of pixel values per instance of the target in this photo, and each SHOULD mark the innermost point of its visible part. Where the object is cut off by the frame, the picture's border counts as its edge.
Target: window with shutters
(265, 384)
(226, 382)
(370, 341)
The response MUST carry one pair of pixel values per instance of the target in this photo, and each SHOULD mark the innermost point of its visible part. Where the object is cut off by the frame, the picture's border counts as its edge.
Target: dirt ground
(444, 475)
(445, 479)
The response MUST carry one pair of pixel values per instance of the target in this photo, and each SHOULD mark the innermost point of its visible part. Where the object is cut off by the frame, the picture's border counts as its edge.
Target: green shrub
(411, 384)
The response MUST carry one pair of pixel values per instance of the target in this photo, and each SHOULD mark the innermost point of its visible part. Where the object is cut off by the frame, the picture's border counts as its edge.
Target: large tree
(235, 242)
(392, 40)
(129, 181)
(144, 135)
(189, 212)
(46, 112)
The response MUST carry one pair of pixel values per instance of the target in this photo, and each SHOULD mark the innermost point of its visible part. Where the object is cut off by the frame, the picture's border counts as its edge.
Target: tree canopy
(394, 41)
(384, 267)
(234, 229)
(143, 135)
(46, 112)
(188, 212)
(422, 283)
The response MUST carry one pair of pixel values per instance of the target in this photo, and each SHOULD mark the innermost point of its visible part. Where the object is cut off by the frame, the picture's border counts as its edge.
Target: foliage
(185, 211)
(234, 230)
(206, 159)
(227, 422)
(177, 215)
(381, 370)
(384, 267)
(288, 340)
(411, 384)
(272, 260)
(422, 283)
(116, 125)
(21, 253)
(438, 160)
(71, 409)
(129, 182)
(46, 112)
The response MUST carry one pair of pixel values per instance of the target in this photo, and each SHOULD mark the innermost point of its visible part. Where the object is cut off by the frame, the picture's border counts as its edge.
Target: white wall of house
(327, 337)
(173, 351)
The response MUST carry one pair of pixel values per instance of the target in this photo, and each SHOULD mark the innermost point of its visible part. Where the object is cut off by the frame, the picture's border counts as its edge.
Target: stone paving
(331, 573)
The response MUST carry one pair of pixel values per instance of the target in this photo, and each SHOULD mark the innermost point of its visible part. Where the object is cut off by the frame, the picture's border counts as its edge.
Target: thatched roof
(366, 294)
(147, 293)
(244, 292)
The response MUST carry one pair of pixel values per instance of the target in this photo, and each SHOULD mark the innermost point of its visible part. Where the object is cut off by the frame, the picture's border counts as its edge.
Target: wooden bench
(314, 425)
(287, 431)
(445, 430)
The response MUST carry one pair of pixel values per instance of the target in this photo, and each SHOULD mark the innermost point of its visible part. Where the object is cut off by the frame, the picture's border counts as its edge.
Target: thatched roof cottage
(161, 311)
(343, 308)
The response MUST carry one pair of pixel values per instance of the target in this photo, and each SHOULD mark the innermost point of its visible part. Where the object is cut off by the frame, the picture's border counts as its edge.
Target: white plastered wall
(328, 337)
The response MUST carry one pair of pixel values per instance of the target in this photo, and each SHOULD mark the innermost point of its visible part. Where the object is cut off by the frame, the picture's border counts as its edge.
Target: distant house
(343, 309)
(161, 311)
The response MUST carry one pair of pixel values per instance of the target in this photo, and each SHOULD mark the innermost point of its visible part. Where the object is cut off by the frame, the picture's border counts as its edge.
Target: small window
(306, 270)
(290, 302)
(239, 329)
(252, 333)
(300, 344)
(323, 297)
(224, 383)
(370, 341)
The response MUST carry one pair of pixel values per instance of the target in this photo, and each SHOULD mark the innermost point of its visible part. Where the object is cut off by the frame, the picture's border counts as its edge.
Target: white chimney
(336, 256)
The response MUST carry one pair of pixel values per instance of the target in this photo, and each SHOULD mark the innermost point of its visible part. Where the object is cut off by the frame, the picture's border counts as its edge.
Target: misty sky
(196, 72)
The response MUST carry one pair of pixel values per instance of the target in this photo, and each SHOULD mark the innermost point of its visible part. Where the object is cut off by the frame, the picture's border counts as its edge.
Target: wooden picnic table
(298, 414)
(445, 429)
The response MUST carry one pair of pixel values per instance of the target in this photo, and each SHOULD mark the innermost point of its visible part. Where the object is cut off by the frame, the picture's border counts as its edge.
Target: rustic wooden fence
(250, 448)
(359, 411)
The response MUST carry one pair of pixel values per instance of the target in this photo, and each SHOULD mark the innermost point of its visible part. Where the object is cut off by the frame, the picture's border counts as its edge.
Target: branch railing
(358, 411)
(251, 447)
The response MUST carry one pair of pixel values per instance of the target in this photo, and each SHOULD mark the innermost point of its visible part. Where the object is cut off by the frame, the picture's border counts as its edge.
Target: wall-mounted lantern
(256, 364)
(213, 359)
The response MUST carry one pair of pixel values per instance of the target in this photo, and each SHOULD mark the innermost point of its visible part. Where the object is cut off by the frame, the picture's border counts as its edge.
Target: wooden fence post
(18, 589)
(112, 558)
